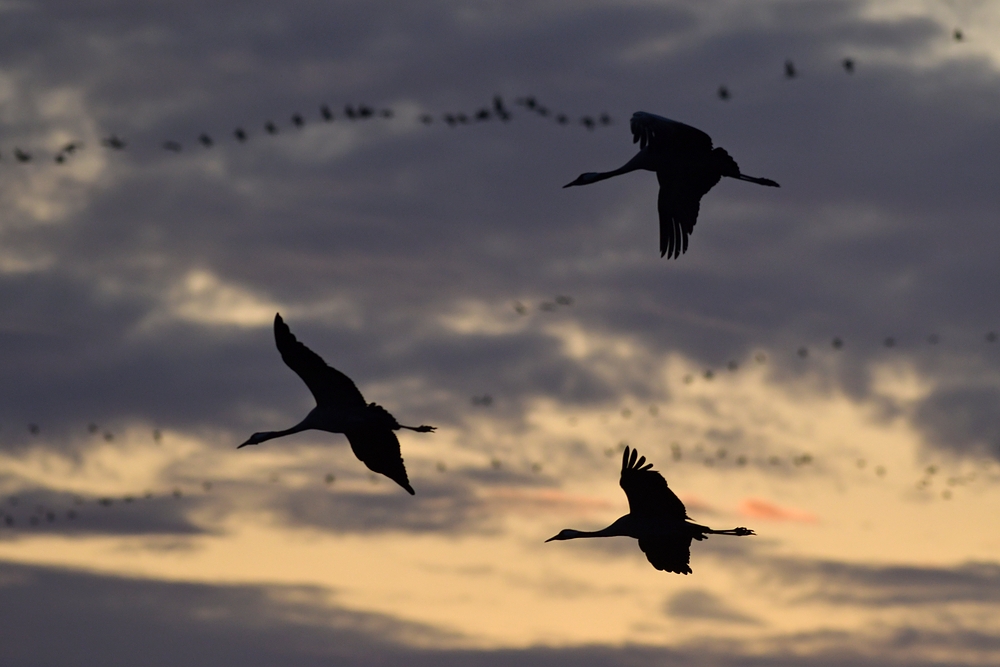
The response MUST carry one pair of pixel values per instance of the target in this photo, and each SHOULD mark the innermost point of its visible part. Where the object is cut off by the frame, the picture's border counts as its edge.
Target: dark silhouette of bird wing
(647, 491)
(328, 385)
(678, 204)
(378, 448)
(664, 134)
(669, 555)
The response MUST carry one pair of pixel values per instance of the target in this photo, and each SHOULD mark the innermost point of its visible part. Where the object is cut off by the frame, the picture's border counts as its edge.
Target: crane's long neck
(636, 163)
(264, 436)
(271, 435)
(618, 529)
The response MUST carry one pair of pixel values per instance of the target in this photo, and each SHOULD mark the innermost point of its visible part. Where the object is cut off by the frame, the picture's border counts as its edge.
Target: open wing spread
(669, 555)
(328, 385)
(378, 448)
(647, 491)
(678, 204)
(664, 134)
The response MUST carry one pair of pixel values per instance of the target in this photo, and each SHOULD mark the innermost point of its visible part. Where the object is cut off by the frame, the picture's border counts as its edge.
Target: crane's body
(687, 167)
(340, 408)
(657, 518)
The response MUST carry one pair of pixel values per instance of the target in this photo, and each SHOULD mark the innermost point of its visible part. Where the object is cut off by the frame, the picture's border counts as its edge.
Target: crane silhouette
(686, 166)
(657, 518)
(340, 408)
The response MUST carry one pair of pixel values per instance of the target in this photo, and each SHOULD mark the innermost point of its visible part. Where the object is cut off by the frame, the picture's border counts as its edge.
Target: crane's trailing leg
(739, 532)
(423, 428)
(759, 181)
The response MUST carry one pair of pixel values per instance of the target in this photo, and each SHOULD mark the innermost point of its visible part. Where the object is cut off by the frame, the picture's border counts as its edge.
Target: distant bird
(686, 166)
(723, 93)
(528, 102)
(298, 120)
(426, 119)
(790, 71)
(349, 112)
(386, 113)
(562, 118)
(22, 156)
(325, 112)
(958, 35)
(205, 140)
(171, 146)
(114, 142)
(270, 127)
(657, 518)
(240, 134)
(365, 111)
(482, 114)
(499, 109)
(71, 147)
(340, 408)
(848, 65)
(587, 122)
(604, 119)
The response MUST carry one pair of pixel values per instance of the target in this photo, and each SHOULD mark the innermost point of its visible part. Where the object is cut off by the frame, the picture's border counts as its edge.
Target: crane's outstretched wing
(678, 204)
(328, 385)
(669, 555)
(378, 449)
(647, 491)
(664, 134)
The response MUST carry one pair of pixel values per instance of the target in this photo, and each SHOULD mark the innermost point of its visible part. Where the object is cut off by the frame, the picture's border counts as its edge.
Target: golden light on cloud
(745, 448)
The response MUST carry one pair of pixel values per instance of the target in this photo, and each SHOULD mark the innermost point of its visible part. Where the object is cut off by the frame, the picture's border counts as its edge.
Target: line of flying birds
(687, 167)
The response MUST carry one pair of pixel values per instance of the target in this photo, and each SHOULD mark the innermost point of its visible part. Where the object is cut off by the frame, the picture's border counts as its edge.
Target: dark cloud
(54, 617)
(961, 420)
(32, 511)
(701, 605)
(888, 586)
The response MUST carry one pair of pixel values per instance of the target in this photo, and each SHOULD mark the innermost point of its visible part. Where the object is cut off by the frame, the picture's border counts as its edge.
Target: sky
(822, 365)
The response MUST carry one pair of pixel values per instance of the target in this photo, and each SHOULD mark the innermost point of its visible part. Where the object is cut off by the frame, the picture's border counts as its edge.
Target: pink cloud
(756, 508)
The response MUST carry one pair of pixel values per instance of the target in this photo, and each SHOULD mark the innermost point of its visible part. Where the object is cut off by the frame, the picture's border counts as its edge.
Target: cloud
(757, 508)
(703, 605)
(888, 586)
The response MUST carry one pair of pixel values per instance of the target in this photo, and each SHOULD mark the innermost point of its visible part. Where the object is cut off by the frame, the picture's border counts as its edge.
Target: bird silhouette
(848, 64)
(113, 142)
(723, 93)
(22, 156)
(686, 166)
(340, 408)
(325, 112)
(790, 71)
(657, 518)
(240, 134)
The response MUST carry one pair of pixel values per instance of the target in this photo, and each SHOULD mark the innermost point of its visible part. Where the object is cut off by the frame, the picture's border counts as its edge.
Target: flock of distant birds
(687, 166)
